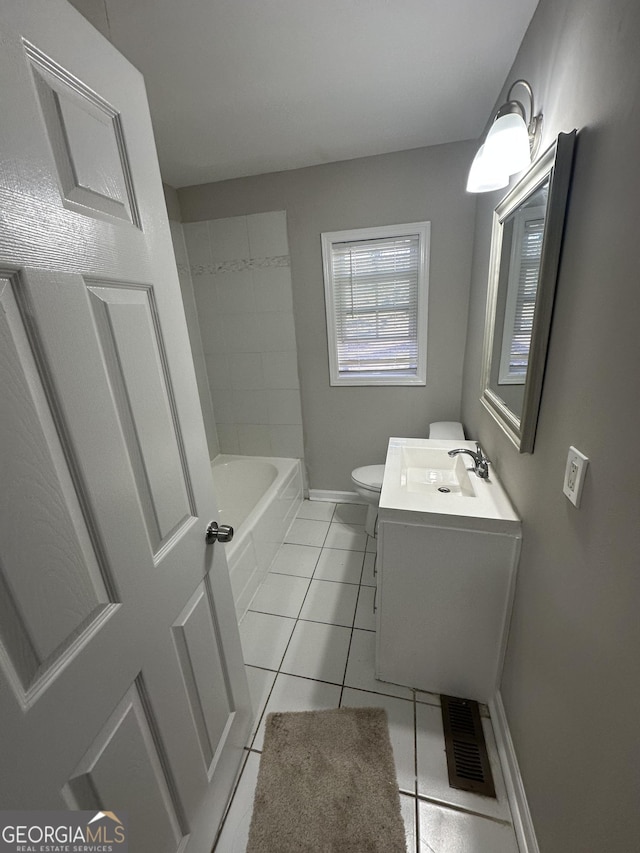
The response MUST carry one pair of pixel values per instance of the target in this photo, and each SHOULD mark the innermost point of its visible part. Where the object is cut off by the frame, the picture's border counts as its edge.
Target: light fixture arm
(534, 124)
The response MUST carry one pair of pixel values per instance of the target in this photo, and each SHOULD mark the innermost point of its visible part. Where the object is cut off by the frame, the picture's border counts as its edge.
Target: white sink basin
(425, 470)
(421, 477)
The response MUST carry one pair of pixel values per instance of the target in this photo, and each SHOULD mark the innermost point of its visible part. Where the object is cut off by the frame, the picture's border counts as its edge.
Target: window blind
(530, 254)
(375, 292)
(521, 300)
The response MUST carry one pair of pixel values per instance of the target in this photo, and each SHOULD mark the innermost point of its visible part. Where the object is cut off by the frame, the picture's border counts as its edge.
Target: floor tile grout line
(353, 627)
(227, 810)
(297, 619)
(414, 805)
(319, 580)
(331, 521)
(330, 547)
(346, 663)
(333, 683)
(377, 692)
(271, 571)
(328, 580)
(309, 678)
(279, 670)
(263, 668)
(305, 518)
(253, 737)
(311, 577)
(344, 674)
(276, 615)
(454, 807)
(334, 624)
(430, 704)
(313, 621)
(308, 588)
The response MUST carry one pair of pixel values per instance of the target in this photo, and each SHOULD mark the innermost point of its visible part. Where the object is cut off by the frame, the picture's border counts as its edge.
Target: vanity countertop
(426, 485)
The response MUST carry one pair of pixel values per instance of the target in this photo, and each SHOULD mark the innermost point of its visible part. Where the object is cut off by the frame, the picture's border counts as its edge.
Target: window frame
(355, 235)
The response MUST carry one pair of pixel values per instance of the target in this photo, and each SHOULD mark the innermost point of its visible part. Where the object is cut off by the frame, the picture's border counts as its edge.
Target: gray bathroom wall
(348, 427)
(570, 686)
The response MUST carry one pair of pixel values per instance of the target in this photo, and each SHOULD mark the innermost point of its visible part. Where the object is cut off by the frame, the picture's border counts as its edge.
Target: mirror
(525, 252)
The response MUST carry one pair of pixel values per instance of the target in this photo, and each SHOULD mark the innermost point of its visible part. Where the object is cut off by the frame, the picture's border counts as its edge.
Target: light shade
(506, 147)
(484, 176)
(510, 144)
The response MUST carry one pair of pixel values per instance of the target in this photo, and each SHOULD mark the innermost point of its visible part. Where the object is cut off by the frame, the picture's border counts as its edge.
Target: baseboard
(522, 823)
(336, 497)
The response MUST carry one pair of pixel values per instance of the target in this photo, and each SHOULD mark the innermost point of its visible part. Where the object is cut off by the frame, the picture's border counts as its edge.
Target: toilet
(367, 480)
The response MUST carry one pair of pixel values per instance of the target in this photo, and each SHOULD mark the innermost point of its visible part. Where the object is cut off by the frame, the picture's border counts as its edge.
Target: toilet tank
(446, 429)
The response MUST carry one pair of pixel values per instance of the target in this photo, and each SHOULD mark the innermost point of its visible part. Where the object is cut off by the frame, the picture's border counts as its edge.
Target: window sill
(345, 381)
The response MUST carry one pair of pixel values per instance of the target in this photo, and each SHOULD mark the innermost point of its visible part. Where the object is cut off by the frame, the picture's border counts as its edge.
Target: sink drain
(444, 489)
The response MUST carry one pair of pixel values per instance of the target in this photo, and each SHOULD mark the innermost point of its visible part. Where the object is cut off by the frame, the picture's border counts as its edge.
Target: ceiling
(243, 87)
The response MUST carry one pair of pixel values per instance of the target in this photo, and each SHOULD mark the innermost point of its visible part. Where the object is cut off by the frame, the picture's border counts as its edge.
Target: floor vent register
(466, 749)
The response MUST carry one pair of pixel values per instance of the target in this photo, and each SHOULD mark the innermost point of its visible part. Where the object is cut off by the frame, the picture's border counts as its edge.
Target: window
(376, 283)
(524, 268)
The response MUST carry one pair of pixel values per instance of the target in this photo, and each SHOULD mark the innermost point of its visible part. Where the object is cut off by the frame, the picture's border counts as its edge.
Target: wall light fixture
(510, 146)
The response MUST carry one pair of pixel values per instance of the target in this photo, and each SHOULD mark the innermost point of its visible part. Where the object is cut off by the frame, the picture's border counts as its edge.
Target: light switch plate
(574, 475)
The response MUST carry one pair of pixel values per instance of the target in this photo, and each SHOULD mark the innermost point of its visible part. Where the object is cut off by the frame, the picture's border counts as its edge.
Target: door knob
(218, 533)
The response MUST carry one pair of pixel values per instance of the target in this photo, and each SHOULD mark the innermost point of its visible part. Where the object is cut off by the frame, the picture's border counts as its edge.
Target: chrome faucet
(480, 461)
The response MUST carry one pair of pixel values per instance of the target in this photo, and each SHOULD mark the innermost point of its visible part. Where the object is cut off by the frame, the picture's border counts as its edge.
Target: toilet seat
(369, 477)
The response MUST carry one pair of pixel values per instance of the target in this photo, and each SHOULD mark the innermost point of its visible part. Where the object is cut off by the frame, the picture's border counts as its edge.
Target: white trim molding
(522, 822)
(338, 497)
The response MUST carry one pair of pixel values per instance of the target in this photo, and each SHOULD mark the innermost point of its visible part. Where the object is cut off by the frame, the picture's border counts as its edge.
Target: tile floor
(308, 642)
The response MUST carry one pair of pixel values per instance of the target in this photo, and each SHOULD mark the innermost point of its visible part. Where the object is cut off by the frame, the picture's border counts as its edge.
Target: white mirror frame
(555, 164)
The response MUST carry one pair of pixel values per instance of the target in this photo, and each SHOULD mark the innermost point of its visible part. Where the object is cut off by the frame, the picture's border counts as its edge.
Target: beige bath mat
(327, 784)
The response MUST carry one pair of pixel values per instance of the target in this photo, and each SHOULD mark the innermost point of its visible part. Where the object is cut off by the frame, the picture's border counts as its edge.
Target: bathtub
(259, 497)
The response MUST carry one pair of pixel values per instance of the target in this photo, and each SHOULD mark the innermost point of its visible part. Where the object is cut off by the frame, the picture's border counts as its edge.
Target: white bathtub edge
(253, 549)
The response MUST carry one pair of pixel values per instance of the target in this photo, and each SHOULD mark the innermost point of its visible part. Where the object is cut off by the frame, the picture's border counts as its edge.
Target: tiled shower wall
(242, 285)
(191, 314)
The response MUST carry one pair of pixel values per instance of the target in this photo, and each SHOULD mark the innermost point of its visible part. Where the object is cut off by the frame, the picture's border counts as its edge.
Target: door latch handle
(218, 533)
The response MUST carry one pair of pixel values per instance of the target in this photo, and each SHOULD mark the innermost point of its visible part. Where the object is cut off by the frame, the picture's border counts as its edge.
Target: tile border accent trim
(522, 821)
(240, 265)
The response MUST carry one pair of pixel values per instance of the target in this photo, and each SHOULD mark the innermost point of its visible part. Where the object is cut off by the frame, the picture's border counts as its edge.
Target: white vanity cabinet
(444, 595)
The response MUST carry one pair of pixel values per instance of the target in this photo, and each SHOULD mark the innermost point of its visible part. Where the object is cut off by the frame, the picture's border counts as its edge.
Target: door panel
(118, 638)
(203, 673)
(125, 766)
(87, 142)
(53, 580)
(132, 346)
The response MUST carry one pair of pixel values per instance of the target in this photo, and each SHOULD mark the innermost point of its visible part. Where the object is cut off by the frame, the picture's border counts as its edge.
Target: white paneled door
(122, 685)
